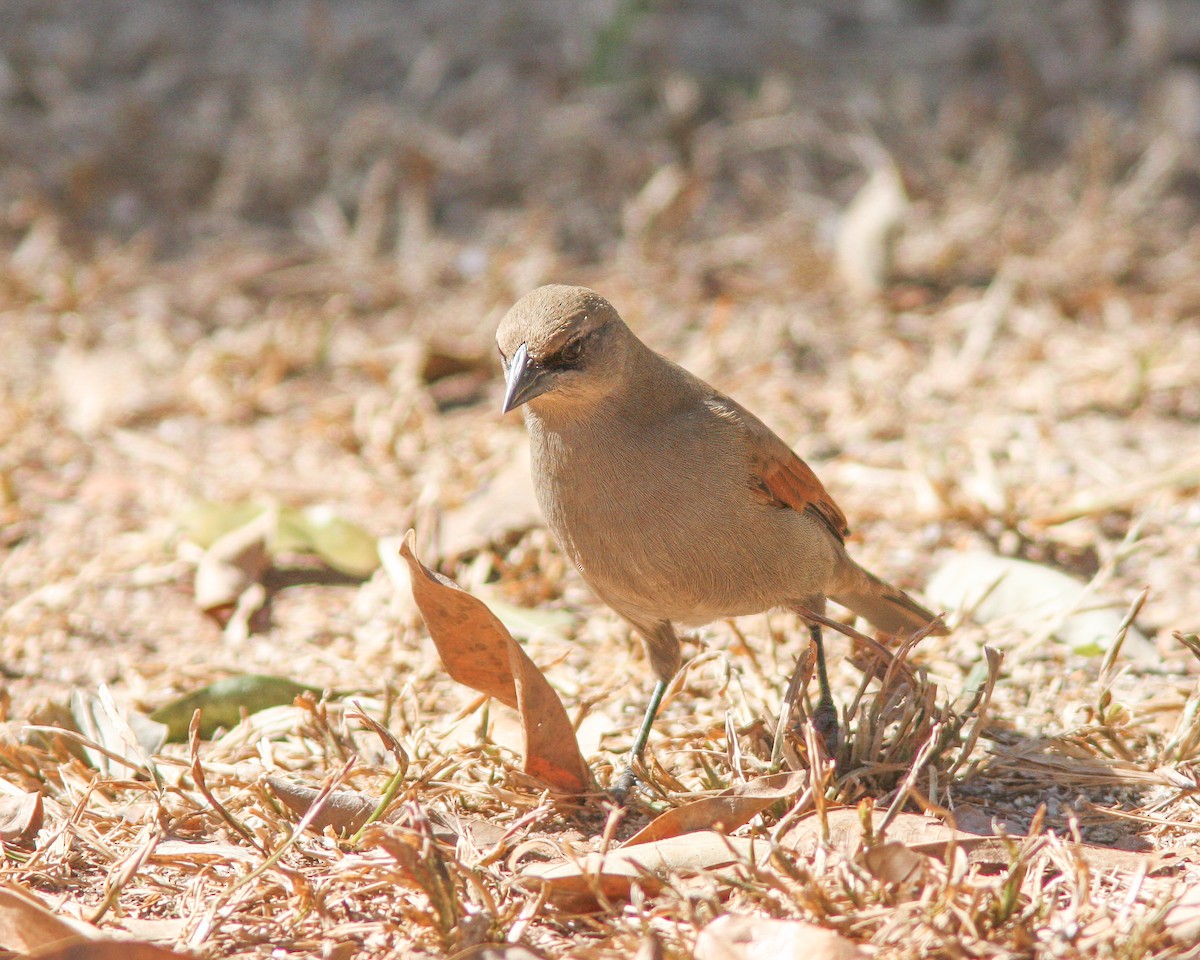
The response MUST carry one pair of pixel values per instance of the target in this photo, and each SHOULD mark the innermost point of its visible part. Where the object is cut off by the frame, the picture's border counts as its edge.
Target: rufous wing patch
(788, 481)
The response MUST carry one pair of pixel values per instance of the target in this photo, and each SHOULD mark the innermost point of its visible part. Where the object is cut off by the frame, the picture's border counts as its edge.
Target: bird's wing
(782, 478)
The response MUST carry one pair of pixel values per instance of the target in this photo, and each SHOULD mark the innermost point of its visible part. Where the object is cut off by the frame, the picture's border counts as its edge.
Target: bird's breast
(661, 521)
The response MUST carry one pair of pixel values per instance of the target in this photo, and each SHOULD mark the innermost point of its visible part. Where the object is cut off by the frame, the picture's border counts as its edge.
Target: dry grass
(229, 272)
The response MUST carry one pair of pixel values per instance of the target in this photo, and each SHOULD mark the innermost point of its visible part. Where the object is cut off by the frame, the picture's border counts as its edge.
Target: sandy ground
(259, 251)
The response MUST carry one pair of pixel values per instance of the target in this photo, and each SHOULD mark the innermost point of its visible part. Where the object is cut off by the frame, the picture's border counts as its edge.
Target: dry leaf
(759, 938)
(921, 834)
(343, 810)
(725, 812)
(479, 652)
(498, 951)
(574, 885)
(26, 924)
(121, 733)
(471, 836)
(107, 950)
(926, 836)
(896, 863)
(1033, 597)
(470, 640)
(20, 817)
(155, 929)
(1183, 918)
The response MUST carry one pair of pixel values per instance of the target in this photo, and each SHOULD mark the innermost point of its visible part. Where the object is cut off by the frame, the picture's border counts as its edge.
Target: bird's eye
(572, 351)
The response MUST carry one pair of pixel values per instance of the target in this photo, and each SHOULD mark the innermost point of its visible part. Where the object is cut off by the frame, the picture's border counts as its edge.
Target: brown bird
(677, 505)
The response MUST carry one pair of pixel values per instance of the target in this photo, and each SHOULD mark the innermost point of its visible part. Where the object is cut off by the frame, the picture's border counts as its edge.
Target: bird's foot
(623, 785)
(825, 723)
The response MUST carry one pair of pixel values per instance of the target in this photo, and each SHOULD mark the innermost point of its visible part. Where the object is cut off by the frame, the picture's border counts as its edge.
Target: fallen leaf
(232, 567)
(470, 836)
(107, 950)
(205, 522)
(498, 951)
(927, 836)
(128, 739)
(759, 938)
(344, 546)
(726, 811)
(471, 641)
(1110, 860)
(1033, 597)
(916, 832)
(1183, 917)
(343, 810)
(20, 817)
(222, 703)
(27, 924)
(575, 884)
(161, 929)
(530, 622)
(479, 652)
(896, 863)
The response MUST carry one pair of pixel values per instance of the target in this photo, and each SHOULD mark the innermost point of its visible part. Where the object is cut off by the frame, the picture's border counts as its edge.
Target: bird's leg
(626, 780)
(662, 650)
(643, 736)
(825, 716)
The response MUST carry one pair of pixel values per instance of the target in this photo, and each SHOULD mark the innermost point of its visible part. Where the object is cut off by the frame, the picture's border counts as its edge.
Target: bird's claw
(623, 786)
(825, 723)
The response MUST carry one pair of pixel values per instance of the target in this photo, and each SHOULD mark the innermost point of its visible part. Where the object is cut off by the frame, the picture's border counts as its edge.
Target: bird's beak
(525, 381)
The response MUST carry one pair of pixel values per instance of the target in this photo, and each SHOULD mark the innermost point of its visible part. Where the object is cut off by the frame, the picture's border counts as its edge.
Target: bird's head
(561, 345)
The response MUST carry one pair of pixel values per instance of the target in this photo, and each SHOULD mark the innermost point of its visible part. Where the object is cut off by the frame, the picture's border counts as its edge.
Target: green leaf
(222, 703)
(528, 622)
(205, 522)
(343, 545)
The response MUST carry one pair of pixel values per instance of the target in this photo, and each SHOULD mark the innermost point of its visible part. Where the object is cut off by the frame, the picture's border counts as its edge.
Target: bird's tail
(889, 608)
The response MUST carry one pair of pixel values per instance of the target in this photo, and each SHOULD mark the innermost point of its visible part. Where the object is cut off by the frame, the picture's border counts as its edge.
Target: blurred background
(252, 259)
(448, 137)
(259, 249)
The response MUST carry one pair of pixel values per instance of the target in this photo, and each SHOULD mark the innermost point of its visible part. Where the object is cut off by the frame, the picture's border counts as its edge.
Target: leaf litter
(993, 356)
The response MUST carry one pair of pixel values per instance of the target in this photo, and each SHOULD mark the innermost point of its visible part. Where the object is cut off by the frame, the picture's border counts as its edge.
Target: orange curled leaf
(477, 650)
(725, 812)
